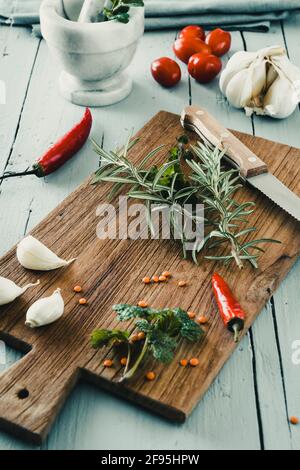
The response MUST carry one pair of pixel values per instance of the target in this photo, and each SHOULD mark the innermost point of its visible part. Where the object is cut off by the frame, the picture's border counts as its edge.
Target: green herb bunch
(192, 174)
(163, 330)
(119, 10)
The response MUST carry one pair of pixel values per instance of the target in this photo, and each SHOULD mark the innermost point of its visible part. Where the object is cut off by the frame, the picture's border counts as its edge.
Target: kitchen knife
(251, 168)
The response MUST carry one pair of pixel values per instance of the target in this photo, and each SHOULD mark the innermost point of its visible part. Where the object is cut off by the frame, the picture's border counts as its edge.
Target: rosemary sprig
(217, 187)
(207, 182)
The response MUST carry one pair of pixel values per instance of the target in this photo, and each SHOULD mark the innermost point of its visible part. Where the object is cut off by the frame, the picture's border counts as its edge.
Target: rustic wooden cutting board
(34, 389)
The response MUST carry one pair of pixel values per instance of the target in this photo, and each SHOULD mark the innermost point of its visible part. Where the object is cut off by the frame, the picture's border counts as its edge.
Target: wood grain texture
(108, 269)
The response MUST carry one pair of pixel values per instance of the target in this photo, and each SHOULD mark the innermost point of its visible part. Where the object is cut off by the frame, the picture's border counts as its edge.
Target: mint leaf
(144, 326)
(162, 345)
(127, 312)
(188, 329)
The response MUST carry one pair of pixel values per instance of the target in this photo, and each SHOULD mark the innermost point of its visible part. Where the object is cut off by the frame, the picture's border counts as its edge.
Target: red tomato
(204, 67)
(219, 41)
(186, 47)
(166, 71)
(192, 31)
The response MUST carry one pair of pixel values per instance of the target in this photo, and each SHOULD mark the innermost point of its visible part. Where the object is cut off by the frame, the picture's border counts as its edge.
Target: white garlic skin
(32, 254)
(245, 85)
(46, 310)
(9, 291)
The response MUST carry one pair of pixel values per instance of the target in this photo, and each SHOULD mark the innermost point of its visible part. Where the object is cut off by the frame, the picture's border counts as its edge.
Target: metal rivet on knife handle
(208, 128)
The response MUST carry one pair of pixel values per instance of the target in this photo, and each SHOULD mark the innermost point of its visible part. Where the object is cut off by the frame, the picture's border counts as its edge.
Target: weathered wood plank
(271, 385)
(286, 300)
(18, 51)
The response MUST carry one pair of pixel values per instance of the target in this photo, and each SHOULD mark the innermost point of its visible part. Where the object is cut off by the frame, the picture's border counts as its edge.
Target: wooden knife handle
(209, 129)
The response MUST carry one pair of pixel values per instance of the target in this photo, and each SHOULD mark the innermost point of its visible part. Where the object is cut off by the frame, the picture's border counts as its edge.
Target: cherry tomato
(166, 71)
(186, 47)
(219, 41)
(204, 67)
(192, 31)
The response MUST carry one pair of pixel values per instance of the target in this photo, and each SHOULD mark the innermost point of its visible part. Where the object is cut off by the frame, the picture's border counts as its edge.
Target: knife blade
(250, 166)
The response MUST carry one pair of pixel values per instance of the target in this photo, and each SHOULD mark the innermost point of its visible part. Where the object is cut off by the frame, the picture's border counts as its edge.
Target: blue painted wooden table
(249, 404)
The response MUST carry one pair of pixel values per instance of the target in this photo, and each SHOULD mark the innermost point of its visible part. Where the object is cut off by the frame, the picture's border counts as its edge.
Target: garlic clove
(9, 291)
(46, 310)
(281, 99)
(259, 77)
(286, 69)
(272, 74)
(239, 89)
(32, 254)
(239, 61)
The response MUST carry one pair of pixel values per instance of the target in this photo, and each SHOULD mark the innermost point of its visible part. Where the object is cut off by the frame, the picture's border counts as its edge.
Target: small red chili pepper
(231, 312)
(61, 151)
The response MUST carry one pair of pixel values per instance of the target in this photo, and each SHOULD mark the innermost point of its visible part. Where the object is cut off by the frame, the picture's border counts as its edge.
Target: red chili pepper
(61, 151)
(231, 312)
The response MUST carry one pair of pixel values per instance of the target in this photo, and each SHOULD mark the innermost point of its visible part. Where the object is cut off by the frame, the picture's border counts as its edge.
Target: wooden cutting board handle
(210, 130)
(31, 396)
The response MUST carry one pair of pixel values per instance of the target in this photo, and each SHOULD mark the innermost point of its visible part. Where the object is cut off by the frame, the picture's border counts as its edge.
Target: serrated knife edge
(277, 192)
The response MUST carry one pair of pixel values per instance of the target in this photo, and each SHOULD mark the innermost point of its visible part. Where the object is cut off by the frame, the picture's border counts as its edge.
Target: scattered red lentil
(142, 303)
(77, 289)
(83, 301)
(134, 338)
(162, 278)
(155, 279)
(166, 274)
(294, 420)
(191, 314)
(183, 362)
(150, 375)
(108, 363)
(202, 320)
(141, 335)
(194, 361)
(123, 361)
(146, 280)
(182, 283)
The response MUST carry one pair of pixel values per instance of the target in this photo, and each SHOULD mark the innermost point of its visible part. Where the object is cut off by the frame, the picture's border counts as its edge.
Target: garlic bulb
(46, 310)
(9, 291)
(32, 254)
(264, 82)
